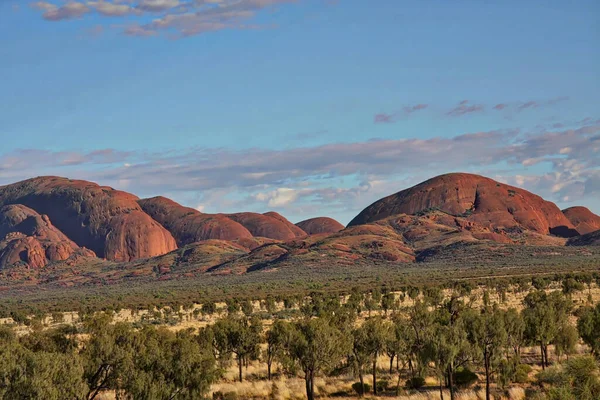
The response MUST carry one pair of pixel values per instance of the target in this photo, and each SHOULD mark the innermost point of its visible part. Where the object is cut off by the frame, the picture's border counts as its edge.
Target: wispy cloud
(528, 105)
(383, 118)
(70, 10)
(153, 17)
(464, 108)
(343, 176)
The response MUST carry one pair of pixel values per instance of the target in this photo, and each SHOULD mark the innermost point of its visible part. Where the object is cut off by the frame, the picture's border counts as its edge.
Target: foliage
(361, 388)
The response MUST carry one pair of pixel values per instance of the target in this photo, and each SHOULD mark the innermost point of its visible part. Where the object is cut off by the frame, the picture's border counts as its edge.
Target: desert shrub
(534, 394)
(464, 377)
(415, 383)
(361, 389)
(522, 373)
(561, 393)
(382, 385)
(552, 376)
(225, 396)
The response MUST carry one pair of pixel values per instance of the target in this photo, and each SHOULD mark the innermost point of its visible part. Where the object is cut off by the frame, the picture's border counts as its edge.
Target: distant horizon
(345, 223)
(305, 107)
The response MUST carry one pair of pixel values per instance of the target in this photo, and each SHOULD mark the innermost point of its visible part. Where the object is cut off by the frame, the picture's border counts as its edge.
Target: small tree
(487, 333)
(277, 339)
(239, 336)
(588, 327)
(316, 346)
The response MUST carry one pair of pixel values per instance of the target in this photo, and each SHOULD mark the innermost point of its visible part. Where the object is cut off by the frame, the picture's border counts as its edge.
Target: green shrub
(552, 376)
(365, 388)
(415, 383)
(382, 385)
(522, 373)
(464, 377)
(561, 393)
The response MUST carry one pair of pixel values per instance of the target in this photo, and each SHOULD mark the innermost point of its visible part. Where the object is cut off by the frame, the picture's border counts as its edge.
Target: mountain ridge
(445, 211)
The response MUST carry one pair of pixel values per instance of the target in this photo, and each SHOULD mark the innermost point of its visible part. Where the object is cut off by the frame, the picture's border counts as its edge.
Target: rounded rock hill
(320, 225)
(476, 198)
(189, 225)
(583, 219)
(107, 221)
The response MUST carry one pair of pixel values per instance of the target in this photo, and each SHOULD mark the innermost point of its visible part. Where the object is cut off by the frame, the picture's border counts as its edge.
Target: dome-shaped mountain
(189, 225)
(270, 225)
(583, 219)
(107, 221)
(30, 238)
(318, 225)
(477, 198)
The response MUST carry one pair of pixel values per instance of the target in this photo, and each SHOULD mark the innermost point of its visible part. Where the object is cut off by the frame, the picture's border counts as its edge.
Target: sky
(305, 107)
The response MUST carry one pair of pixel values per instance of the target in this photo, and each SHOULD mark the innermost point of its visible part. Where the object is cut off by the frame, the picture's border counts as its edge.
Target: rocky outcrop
(476, 198)
(320, 225)
(29, 238)
(107, 221)
(583, 219)
(270, 225)
(589, 239)
(188, 225)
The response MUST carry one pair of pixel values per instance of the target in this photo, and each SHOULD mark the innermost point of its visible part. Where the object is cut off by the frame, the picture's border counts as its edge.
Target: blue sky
(307, 107)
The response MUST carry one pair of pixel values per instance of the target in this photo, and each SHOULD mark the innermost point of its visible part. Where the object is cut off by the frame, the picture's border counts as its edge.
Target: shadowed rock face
(107, 221)
(315, 226)
(589, 239)
(188, 225)
(479, 199)
(583, 219)
(30, 238)
(270, 225)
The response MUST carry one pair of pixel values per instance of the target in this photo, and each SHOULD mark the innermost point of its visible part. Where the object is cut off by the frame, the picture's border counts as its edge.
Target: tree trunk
(312, 385)
(441, 388)
(487, 375)
(391, 362)
(375, 374)
(451, 382)
(542, 354)
(546, 355)
(269, 370)
(362, 383)
(240, 365)
(309, 394)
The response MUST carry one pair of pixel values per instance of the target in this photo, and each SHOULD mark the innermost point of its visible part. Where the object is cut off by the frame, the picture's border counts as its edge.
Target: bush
(522, 373)
(464, 377)
(365, 388)
(225, 396)
(382, 385)
(552, 376)
(561, 393)
(415, 383)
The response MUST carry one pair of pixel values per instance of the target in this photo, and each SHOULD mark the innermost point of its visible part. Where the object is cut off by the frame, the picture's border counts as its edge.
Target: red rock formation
(269, 225)
(22, 249)
(107, 221)
(583, 219)
(296, 230)
(188, 225)
(478, 199)
(315, 226)
(26, 236)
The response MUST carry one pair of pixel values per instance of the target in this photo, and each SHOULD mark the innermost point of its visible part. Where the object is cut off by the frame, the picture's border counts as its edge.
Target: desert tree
(544, 313)
(316, 346)
(277, 339)
(588, 327)
(240, 336)
(487, 333)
